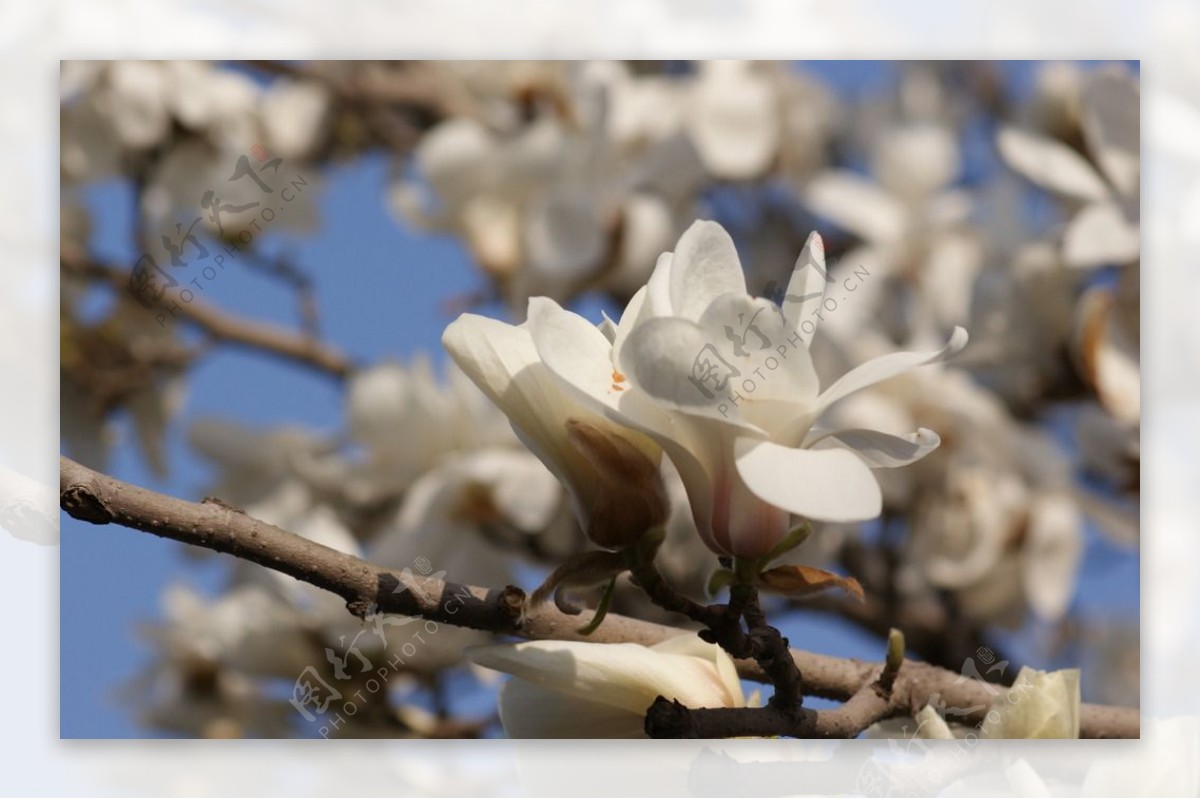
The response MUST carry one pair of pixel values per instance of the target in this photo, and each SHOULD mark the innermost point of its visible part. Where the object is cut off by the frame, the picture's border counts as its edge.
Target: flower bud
(628, 497)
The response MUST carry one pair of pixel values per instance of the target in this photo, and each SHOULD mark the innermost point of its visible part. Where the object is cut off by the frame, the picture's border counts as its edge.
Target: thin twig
(221, 325)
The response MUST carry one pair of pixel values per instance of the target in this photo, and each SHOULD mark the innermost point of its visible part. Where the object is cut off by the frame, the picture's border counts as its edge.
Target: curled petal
(881, 450)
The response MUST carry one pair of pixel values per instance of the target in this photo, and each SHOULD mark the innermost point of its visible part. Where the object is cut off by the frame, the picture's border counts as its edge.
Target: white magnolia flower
(724, 383)
(1038, 705)
(1105, 229)
(592, 456)
(572, 689)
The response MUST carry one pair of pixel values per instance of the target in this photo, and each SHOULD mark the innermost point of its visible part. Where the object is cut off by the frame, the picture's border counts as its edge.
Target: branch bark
(100, 499)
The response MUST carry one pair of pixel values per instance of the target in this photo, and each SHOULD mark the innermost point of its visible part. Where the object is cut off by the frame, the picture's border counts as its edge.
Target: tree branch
(222, 326)
(99, 499)
(670, 719)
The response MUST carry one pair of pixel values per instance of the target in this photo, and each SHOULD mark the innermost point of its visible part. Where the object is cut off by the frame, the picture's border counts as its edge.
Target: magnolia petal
(753, 336)
(1109, 357)
(828, 485)
(677, 363)
(1038, 705)
(1052, 555)
(692, 646)
(806, 288)
(531, 711)
(503, 362)
(734, 121)
(887, 366)
(454, 157)
(564, 234)
(882, 450)
(1111, 107)
(1101, 234)
(857, 205)
(625, 676)
(1051, 165)
(577, 353)
(636, 311)
(932, 726)
(607, 327)
(705, 266)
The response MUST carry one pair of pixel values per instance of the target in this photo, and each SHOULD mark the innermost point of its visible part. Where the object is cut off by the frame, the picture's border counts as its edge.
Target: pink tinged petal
(806, 289)
(829, 485)
(1051, 164)
(705, 266)
(881, 450)
(884, 367)
(1101, 234)
(750, 527)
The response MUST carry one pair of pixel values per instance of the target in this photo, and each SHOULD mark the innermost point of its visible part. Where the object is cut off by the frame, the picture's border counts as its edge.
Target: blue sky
(381, 291)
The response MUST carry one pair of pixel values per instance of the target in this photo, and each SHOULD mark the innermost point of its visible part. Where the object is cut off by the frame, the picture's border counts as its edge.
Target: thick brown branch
(667, 719)
(100, 499)
(220, 325)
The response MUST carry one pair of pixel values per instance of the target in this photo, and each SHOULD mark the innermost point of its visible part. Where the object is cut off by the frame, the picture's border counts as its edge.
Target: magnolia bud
(628, 497)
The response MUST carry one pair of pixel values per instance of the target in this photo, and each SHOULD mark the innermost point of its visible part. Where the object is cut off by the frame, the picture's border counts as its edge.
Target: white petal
(887, 366)
(1052, 554)
(637, 310)
(916, 160)
(502, 360)
(626, 676)
(705, 266)
(531, 711)
(1051, 165)
(647, 229)
(932, 726)
(806, 288)
(295, 116)
(1038, 705)
(856, 204)
(677, 363)
(692, 645)
(881, 450)
(607, 327)
(733, 120)
(1101, 234)
(1111, 107)
(576, 352)
(455, 157)
(830, 485)
(757, 338)
(565, 237)
(1110, 357)
(138, 102)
